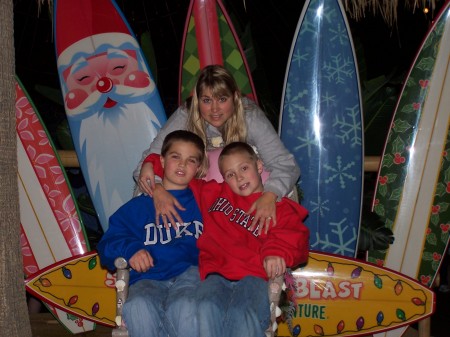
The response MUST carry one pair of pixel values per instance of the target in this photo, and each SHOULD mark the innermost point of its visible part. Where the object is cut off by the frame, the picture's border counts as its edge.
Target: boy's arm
(118, 241)
(154, 158)
(290, 238)
(141, 261)
(166, 205)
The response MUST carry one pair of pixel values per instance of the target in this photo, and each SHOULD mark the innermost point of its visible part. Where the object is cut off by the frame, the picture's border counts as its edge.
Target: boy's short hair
(188, 137)
(237, 147)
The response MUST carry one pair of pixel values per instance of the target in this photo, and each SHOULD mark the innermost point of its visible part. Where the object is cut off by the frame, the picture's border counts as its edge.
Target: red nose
(104, 85)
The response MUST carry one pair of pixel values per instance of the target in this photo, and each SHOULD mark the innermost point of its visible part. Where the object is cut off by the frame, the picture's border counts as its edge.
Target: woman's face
(215, 110)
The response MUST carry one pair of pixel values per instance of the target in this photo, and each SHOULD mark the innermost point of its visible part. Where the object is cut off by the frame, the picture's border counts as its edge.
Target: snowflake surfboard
(321, 124)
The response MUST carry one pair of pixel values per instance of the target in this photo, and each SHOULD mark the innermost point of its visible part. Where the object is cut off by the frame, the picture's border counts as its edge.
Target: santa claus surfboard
(112, 104)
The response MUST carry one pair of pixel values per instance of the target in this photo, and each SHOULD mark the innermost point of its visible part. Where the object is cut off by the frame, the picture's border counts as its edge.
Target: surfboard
(51, 228)
(335, 295)
(78, 285)
(412, 192)
(322, 292)
(210, 38)
(112, 104)
(321, 125)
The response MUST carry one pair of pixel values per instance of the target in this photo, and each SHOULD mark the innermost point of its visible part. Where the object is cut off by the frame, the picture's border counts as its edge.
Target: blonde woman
(219, 114)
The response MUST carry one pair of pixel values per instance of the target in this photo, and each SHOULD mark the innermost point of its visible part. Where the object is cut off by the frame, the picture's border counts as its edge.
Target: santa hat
(77, 20)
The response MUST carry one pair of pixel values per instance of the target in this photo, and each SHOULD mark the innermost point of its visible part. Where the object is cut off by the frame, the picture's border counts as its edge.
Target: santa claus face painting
(104, 80)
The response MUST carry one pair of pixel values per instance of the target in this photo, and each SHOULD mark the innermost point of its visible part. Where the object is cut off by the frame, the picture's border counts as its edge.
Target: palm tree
(386, 8)
(14, 320)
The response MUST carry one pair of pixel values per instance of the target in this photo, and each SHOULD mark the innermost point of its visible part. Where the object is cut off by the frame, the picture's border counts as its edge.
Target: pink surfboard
(51, 228)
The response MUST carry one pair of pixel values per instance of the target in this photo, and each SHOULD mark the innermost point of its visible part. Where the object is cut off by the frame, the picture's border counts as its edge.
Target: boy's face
(180, 164)
(242, 173)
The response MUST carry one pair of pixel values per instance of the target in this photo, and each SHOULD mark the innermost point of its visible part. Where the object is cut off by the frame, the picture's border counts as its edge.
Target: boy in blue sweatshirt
(164, 261)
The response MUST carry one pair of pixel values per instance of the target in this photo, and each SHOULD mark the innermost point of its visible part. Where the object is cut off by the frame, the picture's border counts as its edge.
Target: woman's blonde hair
(221, 83)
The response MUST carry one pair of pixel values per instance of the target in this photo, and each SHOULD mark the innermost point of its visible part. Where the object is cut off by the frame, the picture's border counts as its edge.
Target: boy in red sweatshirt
(235, 263)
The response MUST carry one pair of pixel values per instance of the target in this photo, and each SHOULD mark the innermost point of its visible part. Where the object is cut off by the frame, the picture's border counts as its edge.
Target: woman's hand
(147, 178)
(166, 206)
(274, 266)
(265, 208)
(141, 261)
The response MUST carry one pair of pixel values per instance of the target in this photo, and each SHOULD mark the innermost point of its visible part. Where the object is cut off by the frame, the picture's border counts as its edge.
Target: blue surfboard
(321, 124)
(112, 104)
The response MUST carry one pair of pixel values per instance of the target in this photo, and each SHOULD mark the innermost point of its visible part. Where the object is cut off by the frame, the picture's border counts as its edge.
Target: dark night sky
(272, 24)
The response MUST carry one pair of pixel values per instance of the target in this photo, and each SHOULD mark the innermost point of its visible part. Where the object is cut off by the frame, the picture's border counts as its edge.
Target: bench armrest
(275, 289)
(122, 281)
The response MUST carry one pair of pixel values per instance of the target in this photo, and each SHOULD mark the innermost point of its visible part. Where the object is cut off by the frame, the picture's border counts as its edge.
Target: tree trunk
(14, 319)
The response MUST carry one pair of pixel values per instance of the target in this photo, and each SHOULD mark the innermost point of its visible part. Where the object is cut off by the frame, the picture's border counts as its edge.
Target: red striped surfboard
(210, 38)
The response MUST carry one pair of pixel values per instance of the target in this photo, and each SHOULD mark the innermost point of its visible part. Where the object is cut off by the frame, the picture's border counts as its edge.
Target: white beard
(111, 144)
